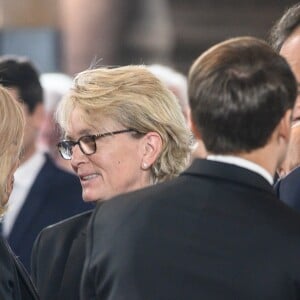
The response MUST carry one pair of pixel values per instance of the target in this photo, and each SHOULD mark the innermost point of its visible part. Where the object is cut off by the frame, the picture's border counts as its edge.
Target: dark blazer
(15, 284)
(288, 189)
(215, 232)
(57, 258)
(55, 195)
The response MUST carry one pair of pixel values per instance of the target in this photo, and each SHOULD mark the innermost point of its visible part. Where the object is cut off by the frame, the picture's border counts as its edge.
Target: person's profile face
(290, 50)
(114, 168)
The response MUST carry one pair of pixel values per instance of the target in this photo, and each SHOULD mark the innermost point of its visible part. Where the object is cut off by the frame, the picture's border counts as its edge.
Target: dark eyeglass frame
(68, 144)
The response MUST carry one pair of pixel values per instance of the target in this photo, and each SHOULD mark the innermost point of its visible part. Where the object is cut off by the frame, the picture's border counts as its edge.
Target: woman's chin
(90, 198)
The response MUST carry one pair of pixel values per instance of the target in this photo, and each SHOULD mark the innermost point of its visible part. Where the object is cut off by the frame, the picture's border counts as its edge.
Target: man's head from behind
(239, 90)
(21, 79)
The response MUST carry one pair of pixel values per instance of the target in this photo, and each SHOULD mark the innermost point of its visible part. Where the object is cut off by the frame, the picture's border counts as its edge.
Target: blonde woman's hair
(12, 124)
(136, 99)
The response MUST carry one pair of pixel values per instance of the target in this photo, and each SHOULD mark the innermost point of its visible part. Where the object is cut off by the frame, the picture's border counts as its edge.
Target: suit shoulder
(140, 201)
(68, 225)
(57, 173)
(292, 177)
(6, 259)
(288, 189)
(61, 174)
(60, 235)
(151, 193)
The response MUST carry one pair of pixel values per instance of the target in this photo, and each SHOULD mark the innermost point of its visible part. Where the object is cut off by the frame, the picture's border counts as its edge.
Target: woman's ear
(195, 131)
(151, 149)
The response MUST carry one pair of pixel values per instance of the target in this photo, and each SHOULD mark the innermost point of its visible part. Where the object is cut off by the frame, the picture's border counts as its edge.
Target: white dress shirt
(244, 163)
(24, 176)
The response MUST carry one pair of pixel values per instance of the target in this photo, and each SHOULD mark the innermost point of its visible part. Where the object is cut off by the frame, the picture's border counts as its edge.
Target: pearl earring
(144, 166)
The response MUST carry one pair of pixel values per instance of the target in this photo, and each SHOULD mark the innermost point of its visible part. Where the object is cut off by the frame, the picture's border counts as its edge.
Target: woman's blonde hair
(12, 124)
(136, 99)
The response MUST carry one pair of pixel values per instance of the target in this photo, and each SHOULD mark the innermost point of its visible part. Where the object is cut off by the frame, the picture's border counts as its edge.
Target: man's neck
(262, 159)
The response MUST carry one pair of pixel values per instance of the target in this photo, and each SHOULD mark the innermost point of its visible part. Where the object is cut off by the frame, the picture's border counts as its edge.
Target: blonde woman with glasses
(123, 130)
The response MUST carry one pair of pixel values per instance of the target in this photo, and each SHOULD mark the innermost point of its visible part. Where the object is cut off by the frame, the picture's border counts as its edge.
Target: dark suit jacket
(288, 189)
(215, 232)
(15, 283)
(57, 258)
(55, 195)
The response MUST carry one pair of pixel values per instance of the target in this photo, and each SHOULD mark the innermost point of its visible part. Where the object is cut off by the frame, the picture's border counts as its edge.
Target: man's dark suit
(15, 284)
(215, 232)
(57, 258)
(288, 189)
(54, 196)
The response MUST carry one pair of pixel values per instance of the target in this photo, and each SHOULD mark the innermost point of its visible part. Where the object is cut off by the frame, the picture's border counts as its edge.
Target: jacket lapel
(31, 207)
(25, 282)
(70, 283)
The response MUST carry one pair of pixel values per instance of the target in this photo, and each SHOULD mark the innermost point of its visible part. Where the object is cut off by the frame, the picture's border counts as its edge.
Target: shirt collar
(244, 163)
(27, 172)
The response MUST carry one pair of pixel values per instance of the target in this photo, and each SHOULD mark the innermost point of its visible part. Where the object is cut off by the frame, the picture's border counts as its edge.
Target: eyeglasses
(86, 143)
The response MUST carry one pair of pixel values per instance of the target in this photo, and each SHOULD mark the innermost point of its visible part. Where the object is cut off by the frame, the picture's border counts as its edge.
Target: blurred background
(71, 35)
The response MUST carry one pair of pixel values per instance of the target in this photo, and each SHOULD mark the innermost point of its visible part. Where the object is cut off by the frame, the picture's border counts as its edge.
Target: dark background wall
(201, 23)
(70, 35)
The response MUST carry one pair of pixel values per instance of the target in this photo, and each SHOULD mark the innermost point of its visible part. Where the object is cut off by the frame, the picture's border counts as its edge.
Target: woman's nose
(77, 156)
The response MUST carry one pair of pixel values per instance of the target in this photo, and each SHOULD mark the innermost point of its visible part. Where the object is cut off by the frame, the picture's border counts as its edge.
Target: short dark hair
(19, 72)
(284, 27)
(239, 90)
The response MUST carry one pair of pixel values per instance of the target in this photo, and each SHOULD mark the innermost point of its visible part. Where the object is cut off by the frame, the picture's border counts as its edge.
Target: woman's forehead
(82, 123)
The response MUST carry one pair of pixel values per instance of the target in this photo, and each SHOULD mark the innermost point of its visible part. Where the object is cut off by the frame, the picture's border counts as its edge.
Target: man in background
(285, 39)
(43, 194)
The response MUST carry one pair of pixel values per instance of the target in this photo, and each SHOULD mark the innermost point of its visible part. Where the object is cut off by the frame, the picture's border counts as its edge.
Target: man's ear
(284, 127)
(151, 149)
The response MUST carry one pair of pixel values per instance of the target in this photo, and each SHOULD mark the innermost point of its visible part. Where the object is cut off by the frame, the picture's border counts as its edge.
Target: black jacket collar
(225, 171)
